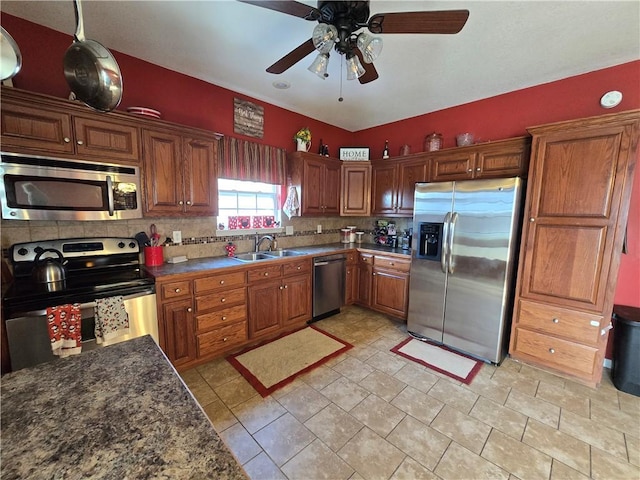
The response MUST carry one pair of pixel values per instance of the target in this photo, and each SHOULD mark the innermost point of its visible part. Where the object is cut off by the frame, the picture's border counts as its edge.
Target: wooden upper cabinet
(575, 216)
(504, 158)
(355, 198)
(409, 173)
(318, 181)
(179, 174)
(101, 139)
(383, 188)
(393, 185)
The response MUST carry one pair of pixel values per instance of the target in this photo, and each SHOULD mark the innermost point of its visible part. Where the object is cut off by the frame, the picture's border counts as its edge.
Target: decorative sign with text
(351, 154)
(248, 118)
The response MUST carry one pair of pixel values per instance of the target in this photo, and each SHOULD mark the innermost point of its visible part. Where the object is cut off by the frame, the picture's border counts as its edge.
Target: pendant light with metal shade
(11, 58)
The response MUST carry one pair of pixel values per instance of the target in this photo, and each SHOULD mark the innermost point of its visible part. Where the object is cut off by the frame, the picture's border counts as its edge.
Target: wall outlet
(177, 236)
(319, 229)
(288, 229)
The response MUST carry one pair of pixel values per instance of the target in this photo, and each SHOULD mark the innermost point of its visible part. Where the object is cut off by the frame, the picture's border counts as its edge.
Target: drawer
(366, 258)
(207, 321)
(221, 299)
(393, 263)
(566, 356)
(563, 322)
(176, 289)
(222, 338)
(299, 266)
(219, 280)
(265, 272)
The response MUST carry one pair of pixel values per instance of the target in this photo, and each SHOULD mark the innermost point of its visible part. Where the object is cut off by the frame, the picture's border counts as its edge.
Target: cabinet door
(364, 284)
(502, 163)
(29, 129)
(355, 198)
(265, 308)
(331, 188)
(312, 187)
(408, 175)
(383, 188)
(201, 182)
(452, 166)
(106, 140)
(163, 173)
(390, 292)
(296, 299)
(179, 332)
(351, 284)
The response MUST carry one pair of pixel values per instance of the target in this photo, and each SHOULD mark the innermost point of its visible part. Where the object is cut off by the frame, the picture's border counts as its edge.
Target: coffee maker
(405, 240)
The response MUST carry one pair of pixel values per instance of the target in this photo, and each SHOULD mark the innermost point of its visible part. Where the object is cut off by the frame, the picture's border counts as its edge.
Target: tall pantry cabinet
(580, 181)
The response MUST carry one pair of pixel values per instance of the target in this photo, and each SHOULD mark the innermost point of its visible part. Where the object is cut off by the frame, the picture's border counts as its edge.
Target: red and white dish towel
(112, 319)
(64, 323)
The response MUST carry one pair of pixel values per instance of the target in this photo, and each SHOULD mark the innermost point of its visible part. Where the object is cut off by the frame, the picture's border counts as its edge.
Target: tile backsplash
(198, 234)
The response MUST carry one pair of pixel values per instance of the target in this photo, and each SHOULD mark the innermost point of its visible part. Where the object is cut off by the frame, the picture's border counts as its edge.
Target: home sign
(352, 154)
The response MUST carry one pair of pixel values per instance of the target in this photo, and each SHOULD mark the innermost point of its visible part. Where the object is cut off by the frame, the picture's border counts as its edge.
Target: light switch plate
(288, 229)
(177, 236)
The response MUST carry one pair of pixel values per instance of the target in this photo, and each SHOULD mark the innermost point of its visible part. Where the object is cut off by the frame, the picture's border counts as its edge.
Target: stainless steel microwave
(42, 188)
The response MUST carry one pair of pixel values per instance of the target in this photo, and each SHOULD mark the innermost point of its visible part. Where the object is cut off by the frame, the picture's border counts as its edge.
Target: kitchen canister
(359, 237)
(352, 233)
(345, 235)
(433, 142)
(153, 256)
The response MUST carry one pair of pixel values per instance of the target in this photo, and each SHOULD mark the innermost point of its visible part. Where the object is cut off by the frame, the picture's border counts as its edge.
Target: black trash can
(626, 349)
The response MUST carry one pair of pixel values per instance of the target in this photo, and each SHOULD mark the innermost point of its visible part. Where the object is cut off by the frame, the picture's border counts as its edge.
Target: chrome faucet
(259, 240)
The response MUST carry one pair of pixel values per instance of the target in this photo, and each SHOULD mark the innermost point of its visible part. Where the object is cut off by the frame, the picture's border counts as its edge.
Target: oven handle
(85, 306)
(110, 195)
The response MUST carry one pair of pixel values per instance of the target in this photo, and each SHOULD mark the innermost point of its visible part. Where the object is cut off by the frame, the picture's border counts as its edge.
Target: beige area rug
(439, 358)
(273, 365)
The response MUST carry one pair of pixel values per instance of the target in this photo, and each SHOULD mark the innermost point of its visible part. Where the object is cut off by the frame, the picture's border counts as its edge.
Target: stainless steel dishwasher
(328, 285)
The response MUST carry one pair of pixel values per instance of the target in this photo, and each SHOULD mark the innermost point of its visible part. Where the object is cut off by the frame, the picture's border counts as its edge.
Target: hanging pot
(11, 57)
(91, 71)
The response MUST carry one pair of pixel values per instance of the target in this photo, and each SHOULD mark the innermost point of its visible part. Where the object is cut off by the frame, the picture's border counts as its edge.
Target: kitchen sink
(283, 253)
(253, 257)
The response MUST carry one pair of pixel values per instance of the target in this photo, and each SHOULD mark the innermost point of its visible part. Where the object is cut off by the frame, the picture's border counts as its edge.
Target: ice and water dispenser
(430, 241)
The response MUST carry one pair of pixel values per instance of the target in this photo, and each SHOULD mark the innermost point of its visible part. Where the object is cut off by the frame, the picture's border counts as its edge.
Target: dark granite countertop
(197, 265)
(111, 413)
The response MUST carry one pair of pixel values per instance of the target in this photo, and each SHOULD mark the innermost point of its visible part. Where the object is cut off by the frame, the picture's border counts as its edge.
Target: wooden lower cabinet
(576, 210)
(351, 278)
(384, 283)
(265, 308)
(365, 271)
(176, 331)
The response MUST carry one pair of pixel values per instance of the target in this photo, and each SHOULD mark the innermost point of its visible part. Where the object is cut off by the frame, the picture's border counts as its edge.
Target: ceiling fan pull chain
(340, 99)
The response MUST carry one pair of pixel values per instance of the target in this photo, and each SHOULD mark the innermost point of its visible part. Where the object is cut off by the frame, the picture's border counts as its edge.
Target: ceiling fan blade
(370, 72)
(446, 21)
(293, 57)
(296, 9)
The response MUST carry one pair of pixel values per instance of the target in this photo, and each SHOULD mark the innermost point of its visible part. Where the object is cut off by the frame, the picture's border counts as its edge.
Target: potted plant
(303, 139)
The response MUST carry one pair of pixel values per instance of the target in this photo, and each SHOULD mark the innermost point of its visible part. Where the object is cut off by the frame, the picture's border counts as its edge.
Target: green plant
(303, 134)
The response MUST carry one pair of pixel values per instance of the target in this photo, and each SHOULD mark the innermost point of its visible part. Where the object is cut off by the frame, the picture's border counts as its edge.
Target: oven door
(38, 188)
(28, 335)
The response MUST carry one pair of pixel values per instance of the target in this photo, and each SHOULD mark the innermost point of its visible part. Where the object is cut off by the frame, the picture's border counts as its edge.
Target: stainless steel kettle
(49, 270)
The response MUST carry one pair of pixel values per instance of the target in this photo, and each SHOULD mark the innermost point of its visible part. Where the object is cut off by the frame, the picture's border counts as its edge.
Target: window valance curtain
(243, 160)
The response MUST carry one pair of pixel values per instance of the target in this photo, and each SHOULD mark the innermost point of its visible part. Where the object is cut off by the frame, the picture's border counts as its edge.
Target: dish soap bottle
(385, 152)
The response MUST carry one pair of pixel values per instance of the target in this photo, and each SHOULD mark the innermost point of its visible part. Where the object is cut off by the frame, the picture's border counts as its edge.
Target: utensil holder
(153, 256)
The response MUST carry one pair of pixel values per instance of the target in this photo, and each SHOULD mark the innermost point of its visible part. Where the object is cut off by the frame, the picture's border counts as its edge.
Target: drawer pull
(224, 317)
(189, 309)
(225, 339)
(299, 267)
(595, 323)
(223, 300)
(266, 274)
(391, 263)
(551, 350)
(555, 320)
(177, 290)
(221, 282)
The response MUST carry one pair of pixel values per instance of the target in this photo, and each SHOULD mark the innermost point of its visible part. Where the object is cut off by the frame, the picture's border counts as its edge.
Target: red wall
(189, 101)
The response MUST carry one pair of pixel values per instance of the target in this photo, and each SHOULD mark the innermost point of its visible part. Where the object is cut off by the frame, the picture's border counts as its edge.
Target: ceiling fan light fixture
(319, 65)
(370, 46)
(324, 36)
(354, 67)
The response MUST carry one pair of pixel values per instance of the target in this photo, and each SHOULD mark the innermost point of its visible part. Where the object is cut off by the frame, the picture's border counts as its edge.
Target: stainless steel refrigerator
(463, 264)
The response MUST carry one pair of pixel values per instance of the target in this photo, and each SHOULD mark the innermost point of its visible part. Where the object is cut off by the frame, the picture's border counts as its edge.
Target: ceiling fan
(338, 24)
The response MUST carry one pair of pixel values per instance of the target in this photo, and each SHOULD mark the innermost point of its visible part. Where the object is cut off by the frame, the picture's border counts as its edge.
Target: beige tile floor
(370, 414)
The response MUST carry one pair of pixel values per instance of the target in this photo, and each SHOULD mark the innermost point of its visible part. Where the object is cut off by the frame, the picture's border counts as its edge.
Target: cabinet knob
(391, 263)
(280, 287)
(532, 219)
(266, 274)
(66, 139)
(80, 142)
(555, 320)
(374, 274)
(299, 267)
(189, 309)
(551, 350)
(285, 287)
(224, 317)
(225, 339)
(177, 290)
(188, 202)
(478, 169)
(180, 202)
(221, 282)
(223, 300)
(470, 170)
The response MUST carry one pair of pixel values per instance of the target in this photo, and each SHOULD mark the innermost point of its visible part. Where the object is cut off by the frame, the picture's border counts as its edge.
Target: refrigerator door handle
(444, 249)
(452, 230)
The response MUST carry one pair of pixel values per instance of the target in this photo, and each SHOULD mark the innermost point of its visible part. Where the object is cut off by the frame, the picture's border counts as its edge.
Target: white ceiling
(504, 46)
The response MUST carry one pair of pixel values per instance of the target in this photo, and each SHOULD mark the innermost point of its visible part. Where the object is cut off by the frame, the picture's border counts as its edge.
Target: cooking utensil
(143, 239)
(155, 237)
(91, 71)
(50, 271)
(11, 56)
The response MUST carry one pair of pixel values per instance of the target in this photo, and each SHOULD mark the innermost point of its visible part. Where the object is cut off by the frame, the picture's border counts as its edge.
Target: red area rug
(439, 358)
(276, 363)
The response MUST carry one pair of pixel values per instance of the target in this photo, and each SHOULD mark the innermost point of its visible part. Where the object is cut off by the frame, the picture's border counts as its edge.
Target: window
(248, 199)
